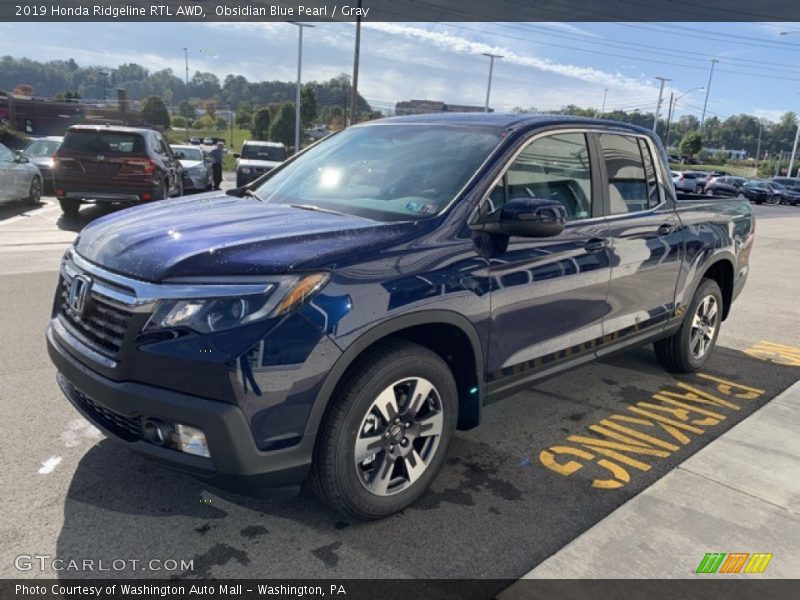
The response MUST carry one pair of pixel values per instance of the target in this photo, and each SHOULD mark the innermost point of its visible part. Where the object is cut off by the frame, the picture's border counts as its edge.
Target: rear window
(253, 152)
(104, 142)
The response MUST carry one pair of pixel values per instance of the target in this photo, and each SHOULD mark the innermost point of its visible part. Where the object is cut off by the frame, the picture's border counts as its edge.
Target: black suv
(98, 163)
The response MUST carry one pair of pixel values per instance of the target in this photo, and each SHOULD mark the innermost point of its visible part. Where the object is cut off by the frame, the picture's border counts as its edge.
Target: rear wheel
(773, 200)
(386, 432)
(70, 206)
(35, 192)
(689, 348)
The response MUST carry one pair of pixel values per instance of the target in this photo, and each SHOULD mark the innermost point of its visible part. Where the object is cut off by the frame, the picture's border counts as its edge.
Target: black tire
(70, 206)
(675, 351)
(335, 477)
(774, 200)
(35, 192)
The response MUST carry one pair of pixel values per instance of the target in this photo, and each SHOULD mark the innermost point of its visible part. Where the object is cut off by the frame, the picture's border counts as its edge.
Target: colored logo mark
(734, 562)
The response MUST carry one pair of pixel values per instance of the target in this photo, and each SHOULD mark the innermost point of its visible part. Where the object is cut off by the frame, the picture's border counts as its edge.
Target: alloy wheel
(704, 326)
(399, 436)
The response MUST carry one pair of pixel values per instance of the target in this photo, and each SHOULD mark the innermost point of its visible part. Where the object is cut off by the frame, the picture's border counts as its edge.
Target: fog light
(191, 440)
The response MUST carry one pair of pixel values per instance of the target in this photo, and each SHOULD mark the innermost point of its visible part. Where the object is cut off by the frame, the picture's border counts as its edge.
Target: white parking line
(48, 206)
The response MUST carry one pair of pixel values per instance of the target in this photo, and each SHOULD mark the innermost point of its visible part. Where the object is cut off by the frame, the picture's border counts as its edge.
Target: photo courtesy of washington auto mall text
(400, 299)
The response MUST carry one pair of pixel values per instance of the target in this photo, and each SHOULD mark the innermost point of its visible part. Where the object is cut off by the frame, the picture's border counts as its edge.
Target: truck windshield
(384, 172)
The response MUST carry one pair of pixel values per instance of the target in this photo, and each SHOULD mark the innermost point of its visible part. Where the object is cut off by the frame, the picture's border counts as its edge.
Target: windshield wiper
(319, 209)
(249, 192)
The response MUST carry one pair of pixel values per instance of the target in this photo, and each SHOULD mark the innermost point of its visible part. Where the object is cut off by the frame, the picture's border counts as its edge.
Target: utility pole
(186, 81)
(300, 27)
(663, 80)
(230, 117)
(605, 95)
(673, 104)
(489, 82)
(758, 148)
(708, 91)
(794, 151)
(669, 121)
(356, 55)
(778, 166)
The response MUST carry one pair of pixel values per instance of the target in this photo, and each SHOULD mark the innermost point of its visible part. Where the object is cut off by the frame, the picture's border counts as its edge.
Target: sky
(544, 65)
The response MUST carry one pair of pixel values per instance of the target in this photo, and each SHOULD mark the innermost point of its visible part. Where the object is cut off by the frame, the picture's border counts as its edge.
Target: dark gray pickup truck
(338, 318)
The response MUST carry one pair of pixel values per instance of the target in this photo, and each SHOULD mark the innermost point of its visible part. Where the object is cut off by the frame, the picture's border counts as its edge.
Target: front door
(548, 295)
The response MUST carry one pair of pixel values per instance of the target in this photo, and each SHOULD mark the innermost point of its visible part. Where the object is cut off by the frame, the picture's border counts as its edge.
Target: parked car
(208, 141)
(758, 191)
(338, 319)
(19, 178)
(40, 153)
(685, 181)
(700, 179)
(781, 194)
(725, 186)
(256, 159)
(195, 141)
(198, 174)
(125, 165)
(792, 183)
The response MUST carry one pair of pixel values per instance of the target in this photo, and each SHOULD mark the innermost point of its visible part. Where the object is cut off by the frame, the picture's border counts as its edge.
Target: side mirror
(20, 157)
(236, 155)
(529, 217)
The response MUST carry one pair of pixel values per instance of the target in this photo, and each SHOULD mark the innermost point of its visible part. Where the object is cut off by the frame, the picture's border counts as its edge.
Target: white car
(256, 159)
(686, 182)
(19, 178)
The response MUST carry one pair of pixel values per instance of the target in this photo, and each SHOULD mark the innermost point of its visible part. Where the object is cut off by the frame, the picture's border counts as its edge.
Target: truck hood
(219, 235)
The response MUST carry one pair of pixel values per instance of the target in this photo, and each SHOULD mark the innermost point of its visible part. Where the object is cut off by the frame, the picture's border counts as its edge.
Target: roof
(509, 120)
(92, 127)
(260, 143)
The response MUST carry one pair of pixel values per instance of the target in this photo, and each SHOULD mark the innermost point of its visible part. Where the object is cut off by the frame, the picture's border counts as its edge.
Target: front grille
(102, 325)
(128, 429)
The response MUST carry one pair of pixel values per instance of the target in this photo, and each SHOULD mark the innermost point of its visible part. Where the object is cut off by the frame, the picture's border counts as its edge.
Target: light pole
(103, 74)
(672, 105)
(758, 148)
(663, 80)
(489, 82)
(186, 82)
(794, 151)
(300, 27)
(708, 91)
(356, 55)
(605, 95)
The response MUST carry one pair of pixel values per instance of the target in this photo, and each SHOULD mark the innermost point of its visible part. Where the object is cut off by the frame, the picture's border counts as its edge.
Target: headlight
(245, 170)
(208, 315)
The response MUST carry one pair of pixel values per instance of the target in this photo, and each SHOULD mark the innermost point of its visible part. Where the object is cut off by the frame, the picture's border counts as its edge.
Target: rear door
(548, 295)
(646, 237)
(7, 174)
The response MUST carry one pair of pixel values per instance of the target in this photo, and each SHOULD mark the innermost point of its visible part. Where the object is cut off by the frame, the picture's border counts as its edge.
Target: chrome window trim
(146, 294)
(583, 130)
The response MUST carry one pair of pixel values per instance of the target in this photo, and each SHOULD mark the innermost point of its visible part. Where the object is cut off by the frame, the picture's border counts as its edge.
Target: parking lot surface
(508, 497)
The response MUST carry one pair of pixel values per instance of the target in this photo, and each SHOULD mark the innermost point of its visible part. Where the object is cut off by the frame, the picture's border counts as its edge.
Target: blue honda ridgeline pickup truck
(336, 320)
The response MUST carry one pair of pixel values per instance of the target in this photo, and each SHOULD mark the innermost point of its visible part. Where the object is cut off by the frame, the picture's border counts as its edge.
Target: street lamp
(186, 86)
(300, 27)
(672, 105)
(489, 82)
(103, 74)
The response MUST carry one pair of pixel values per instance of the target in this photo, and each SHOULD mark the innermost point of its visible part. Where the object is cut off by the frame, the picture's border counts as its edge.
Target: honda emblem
(79, 293)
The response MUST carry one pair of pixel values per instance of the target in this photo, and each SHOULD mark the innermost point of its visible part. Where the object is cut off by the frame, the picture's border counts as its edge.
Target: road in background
(496, 510)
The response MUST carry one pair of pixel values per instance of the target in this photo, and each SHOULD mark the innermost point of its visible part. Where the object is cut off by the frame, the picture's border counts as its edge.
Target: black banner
(400, 10)
(402, 589)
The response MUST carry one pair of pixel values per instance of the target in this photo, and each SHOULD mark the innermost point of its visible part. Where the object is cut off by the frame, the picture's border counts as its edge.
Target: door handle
(666, 229)
(596, 245)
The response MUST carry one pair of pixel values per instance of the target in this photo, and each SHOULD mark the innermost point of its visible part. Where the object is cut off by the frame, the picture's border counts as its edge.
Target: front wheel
(386, 432)
(35, 192)
(689, 348)
(70, 206)
(774, 200)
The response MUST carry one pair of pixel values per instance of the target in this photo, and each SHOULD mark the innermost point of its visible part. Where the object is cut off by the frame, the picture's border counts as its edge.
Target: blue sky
(546, 65)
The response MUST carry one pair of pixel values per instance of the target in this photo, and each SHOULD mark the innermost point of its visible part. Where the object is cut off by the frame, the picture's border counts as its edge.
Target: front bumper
(192, 182)
(236, 463)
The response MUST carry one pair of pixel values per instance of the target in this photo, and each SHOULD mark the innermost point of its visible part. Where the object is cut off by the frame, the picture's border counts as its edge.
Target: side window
(630, 187)
(6, 154)
(555, 167)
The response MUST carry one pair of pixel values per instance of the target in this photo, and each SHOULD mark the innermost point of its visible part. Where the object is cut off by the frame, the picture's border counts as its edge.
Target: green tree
(691, 143)
(221, 123)
(187, 110)
(155, 112)
(260, 124)
(244, 116)
(308, 106)
(282, 128)
(178, 122)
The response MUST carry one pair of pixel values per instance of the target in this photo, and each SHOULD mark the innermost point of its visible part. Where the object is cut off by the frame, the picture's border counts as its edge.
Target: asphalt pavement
(504, 502)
